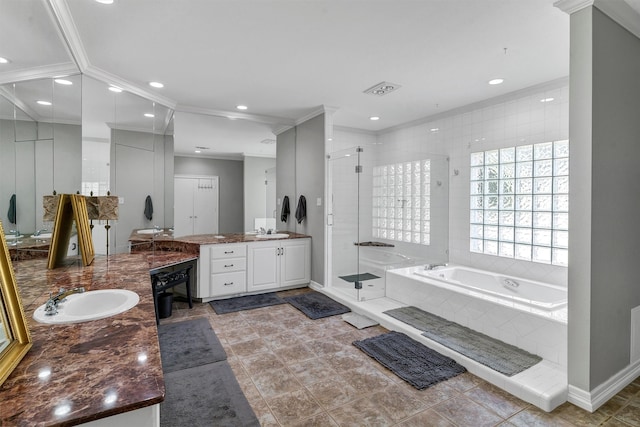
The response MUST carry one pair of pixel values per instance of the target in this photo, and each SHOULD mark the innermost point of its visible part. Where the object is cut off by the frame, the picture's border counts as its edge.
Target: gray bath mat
(248, 302)
(415, 363)
(187, 344)
(499, 356)
(207, 395)
(316, 305)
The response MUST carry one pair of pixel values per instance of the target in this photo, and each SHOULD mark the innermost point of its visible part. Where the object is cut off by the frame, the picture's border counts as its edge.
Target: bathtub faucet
(434, 266)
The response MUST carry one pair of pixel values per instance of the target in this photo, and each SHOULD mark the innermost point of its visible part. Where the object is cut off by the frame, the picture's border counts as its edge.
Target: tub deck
(544, 385)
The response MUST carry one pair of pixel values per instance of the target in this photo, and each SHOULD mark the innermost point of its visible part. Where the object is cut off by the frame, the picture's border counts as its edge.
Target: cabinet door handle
(228, 284)
(228, 252)
(229, 265)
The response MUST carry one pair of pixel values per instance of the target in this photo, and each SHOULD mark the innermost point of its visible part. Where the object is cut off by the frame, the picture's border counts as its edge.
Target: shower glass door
(344, 221)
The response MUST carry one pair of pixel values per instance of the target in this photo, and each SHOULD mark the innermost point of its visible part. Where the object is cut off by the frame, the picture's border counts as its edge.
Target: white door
(205, 206)
(195, 205)
(183, 207)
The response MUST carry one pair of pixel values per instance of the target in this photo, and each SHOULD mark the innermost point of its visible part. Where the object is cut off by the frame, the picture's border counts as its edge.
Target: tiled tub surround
(82, 372)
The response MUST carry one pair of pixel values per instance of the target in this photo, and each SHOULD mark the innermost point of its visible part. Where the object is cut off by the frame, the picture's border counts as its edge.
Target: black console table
(162, 281)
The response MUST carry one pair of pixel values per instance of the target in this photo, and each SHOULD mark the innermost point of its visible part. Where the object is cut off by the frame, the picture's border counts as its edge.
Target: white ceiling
(287, 59)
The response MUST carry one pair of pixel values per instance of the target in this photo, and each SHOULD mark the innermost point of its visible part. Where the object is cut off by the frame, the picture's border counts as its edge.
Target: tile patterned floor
(301, 372)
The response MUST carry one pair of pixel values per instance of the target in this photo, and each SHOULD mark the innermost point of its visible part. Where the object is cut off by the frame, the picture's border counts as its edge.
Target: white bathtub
(528, 314)
(529, 293)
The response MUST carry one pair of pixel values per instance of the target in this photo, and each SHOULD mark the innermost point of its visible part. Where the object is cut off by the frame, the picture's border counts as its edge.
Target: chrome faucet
(434, 266)
(262, 231)
(39, 232)
(51, 306)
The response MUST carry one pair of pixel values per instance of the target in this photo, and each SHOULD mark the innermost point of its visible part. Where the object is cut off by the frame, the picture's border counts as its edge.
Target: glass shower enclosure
(387, 210)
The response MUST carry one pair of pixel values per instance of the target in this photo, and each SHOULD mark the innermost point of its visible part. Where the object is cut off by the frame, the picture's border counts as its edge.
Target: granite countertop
(86, 371)
(165, 241)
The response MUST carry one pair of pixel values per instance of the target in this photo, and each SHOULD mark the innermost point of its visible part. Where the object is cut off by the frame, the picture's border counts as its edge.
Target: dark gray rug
(187, 344)
(499, 356)
(248, 302)
(415, 363)
(316, 305)
(207, 395)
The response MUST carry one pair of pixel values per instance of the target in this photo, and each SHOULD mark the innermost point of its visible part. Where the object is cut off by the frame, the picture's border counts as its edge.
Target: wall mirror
(40, 152)
(15, 339)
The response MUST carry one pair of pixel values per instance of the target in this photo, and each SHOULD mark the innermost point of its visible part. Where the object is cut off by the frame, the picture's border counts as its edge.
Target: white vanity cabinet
(278, 263)
(222, 270)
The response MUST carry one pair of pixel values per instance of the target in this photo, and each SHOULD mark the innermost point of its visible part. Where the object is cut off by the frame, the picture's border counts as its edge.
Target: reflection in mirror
(40, 152)
(5, 332)
(123, 143)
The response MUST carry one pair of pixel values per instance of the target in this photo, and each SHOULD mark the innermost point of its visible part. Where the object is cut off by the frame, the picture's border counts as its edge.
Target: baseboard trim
(315, 285)
(591, 401)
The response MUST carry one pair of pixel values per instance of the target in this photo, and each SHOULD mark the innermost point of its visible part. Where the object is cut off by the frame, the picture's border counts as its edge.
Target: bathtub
(528, 314)
(513, 290)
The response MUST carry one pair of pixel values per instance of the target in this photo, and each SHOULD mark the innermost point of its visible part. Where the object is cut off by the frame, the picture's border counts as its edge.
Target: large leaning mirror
(15, 339)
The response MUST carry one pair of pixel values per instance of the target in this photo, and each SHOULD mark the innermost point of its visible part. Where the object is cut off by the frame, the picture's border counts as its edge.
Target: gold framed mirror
(71, 207)
(15, 339)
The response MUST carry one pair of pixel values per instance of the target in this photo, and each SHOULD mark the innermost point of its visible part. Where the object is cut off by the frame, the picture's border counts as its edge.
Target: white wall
(137, 171)
(255, 190)
(515, 119)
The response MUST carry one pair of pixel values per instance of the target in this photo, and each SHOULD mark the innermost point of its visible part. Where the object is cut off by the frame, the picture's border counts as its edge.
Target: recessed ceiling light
(115, 89)
(47, 103)
(496, 81)
(63, 82)
(547, 99)
(149, 115)
(241, 107)
(374, 118)
(434, 129)
(4, 60)
(156, 85)
(198, 151)
(105, 1)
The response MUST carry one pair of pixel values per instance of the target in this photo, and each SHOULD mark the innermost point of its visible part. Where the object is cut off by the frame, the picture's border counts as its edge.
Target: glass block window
(401, 201)
(520, 202)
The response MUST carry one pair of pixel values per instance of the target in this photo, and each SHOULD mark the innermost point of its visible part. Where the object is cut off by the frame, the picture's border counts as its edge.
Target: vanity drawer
(223, 251)
(229, 264)
(228, 283)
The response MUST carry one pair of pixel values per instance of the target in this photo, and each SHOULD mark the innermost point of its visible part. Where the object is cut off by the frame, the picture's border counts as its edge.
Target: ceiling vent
(202, 148)
(268, 141)
(382, 88)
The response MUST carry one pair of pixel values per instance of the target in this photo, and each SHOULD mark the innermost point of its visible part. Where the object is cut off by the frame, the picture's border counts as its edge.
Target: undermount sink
(149, 231)
(272, 236)
(91, 305)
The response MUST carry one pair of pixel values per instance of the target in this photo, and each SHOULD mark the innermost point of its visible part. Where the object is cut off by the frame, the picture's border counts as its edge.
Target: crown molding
(69, 32)
(217, 156)
(618, 10)
(9, 96)
(235, 115)
(43, 72)
(116, 126)
(622, 13)
(127, 86)
(571, 6)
